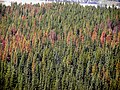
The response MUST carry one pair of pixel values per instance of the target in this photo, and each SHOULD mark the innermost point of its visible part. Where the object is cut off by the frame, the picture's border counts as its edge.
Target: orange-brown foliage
(94, 35)
(102, 38)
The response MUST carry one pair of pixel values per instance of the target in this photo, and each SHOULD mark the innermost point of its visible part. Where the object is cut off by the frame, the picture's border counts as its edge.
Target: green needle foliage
(59, 46)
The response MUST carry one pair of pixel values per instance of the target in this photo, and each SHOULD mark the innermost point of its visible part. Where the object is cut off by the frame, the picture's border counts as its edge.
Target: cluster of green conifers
(59, 47)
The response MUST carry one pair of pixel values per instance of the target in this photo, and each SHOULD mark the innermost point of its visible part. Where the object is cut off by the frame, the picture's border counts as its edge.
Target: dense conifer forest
(58, 46)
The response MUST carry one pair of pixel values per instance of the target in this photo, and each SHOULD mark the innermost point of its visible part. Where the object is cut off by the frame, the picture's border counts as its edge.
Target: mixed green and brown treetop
(59, 46)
